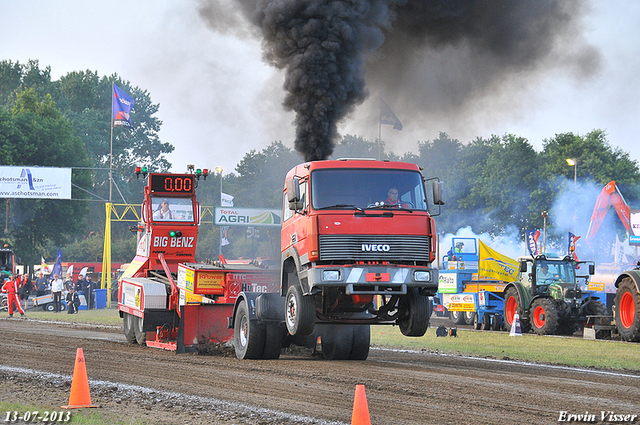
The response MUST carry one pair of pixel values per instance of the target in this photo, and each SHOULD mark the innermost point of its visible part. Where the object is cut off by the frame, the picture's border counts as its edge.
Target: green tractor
(548, 297)
(627, 305)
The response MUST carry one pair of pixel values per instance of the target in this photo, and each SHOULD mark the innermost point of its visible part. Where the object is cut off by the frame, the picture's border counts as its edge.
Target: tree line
(493, 185)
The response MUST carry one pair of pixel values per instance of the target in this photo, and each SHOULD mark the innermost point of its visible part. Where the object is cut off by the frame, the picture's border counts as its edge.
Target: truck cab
(358, 242)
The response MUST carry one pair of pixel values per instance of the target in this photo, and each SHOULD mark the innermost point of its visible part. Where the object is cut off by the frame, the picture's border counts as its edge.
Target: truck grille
(374, 248)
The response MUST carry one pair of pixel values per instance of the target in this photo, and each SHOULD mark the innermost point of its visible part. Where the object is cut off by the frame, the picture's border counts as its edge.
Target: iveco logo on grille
(371, 247)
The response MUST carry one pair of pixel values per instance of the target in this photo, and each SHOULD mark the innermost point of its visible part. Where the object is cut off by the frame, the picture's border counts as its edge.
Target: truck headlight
(331, 275)
(422, 276)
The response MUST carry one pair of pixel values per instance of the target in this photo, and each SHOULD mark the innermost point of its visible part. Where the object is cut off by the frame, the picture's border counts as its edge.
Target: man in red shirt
(11, 288)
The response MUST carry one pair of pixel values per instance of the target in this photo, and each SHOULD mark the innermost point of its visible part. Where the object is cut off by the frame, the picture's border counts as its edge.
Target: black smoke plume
(332, 51)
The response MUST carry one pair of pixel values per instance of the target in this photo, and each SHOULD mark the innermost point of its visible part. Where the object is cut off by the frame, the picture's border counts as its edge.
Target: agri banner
(35, 182)
(634, 234)
(493, 265)
(232, 216)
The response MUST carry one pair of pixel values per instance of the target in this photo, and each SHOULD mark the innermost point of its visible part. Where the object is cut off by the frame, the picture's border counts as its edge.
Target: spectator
(73, 301)
(88, 293)
(80, 285)
(68, 284)
(57, 285)
(26, 289)
(41, 285)
(11, 288)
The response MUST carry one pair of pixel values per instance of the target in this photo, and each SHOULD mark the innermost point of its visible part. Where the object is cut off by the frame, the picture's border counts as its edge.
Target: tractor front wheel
(513, 305)
(544, 316)
(628, 310)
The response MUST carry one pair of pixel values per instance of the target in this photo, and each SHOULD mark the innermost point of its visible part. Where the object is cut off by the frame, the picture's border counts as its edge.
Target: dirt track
(402, 387)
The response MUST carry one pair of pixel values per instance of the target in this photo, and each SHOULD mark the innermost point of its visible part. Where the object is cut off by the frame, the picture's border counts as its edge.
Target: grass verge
(602, 354)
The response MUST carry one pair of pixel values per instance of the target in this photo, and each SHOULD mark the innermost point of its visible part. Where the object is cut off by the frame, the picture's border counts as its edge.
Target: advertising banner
(634, 234)
(35, 182)
(232, 216)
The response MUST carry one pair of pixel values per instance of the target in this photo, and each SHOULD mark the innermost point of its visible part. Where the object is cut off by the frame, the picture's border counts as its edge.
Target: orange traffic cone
(360, 414)
(80, 396)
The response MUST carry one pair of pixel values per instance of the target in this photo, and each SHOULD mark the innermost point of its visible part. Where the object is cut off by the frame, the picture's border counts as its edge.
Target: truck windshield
(172, 209)
(355, 188)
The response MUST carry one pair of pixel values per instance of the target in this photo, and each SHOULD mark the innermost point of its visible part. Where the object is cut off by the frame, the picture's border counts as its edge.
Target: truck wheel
(274, 335)
(360, 343)
(248, 336)
(416, 318)
(337, 342)
(513, 305)
(468, 317)
(544, 316)
(457, 317)
(627, 316)
(476, 322)
(300, 311)
(127, 324)
(486, 322)
(141, 336)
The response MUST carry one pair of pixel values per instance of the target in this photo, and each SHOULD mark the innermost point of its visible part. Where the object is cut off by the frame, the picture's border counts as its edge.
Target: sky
(219, 100)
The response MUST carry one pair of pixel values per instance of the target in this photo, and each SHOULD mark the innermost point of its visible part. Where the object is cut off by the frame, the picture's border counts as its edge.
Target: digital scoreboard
(172, 183)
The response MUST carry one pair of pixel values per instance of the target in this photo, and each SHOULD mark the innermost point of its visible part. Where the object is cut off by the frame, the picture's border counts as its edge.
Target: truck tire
(127, 324)
(337, 342)
(627, 316)
(416, 322)
(361, 342)
(141, 335)
(274, 335)
(513, 305)
(476, 322)
(248, 336)
(486, 322)
(300, 311)
(544, 316)
(457, 317)
(468, 317)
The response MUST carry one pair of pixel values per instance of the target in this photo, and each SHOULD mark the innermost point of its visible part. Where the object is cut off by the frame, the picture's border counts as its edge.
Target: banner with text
(35, 182)
(232, 216)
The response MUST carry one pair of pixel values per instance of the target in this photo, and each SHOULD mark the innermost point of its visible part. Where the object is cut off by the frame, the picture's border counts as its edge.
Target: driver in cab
(393, 201)
(544, 274)
(164, 212)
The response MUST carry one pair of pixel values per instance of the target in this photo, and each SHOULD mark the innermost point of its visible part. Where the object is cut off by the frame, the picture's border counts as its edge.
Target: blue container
(101, 298)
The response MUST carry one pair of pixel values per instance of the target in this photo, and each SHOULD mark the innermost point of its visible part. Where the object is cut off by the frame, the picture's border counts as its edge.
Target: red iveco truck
(358, 245)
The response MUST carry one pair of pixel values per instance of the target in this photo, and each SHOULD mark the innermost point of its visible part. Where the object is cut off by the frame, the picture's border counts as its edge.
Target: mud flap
(202, 324)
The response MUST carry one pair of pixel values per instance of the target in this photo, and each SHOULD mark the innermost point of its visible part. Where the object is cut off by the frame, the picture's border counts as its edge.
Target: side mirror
(293, 194)
(523, 266)
(592, 269)
(438, 186)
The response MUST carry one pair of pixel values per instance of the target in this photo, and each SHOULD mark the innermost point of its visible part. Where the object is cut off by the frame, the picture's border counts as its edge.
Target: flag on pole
(571, 249)
(388, 117)
(226, 200)
(44, 266)
(532, 241)
(493, 265)
(70, 272)
(57, 267)
(121, 104)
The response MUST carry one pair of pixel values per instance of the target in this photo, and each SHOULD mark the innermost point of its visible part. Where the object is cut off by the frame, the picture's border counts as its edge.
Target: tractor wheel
(457, 317)
(141, 335)
(627, 316)
(300, 311)
(127, 324)
(360, 342)
(476, 322)
(513, 305)
(248, 336)
(544, 316)
(337, 342)
(416, 319)
(468, 317)
(274, 335)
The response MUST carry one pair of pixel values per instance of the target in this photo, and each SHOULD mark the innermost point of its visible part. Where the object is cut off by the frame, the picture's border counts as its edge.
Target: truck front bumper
(374, 280)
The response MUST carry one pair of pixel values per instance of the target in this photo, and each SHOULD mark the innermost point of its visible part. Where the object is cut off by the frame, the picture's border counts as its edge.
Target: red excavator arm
(610, 196)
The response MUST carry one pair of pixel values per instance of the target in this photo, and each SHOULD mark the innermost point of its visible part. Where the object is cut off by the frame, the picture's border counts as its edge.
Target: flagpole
(380, 131)
(111, 148)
